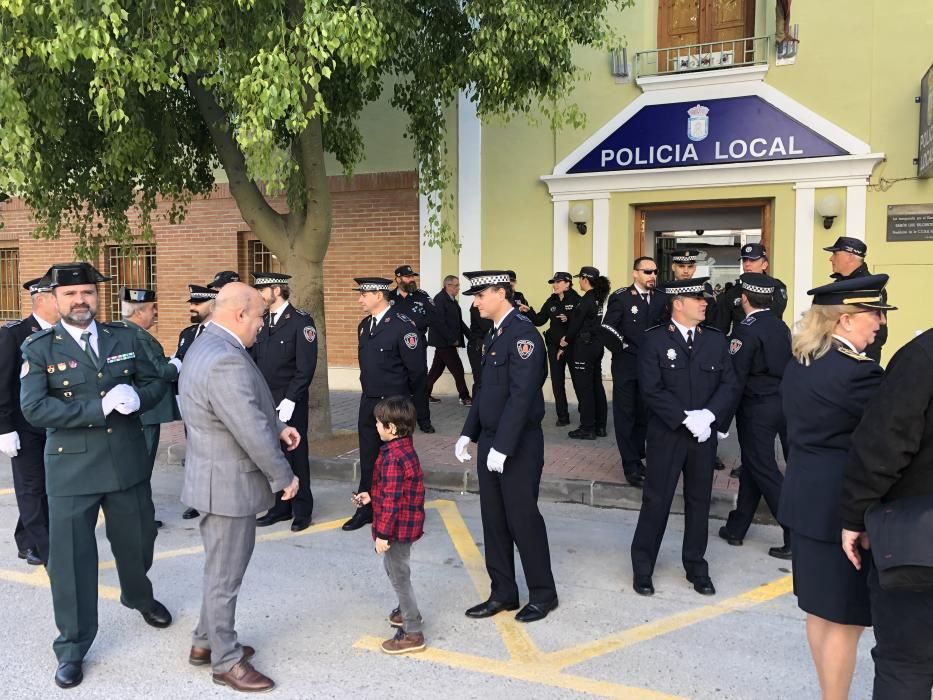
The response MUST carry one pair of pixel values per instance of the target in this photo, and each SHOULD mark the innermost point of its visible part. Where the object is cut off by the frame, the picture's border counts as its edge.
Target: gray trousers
(228, 546)
(397, 567)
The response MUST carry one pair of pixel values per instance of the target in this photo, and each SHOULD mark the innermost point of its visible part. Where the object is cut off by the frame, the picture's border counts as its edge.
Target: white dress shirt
(75, 332)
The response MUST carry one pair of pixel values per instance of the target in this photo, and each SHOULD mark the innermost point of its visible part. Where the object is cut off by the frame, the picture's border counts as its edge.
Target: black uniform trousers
(302, 505)
(586, 373)
(558, 370)
(32, 528)
(448, 358)
(758, 421)
(671, 453)
(370, 442)
(903, 653)
(509, 508)
(629, 414)
(130, 527)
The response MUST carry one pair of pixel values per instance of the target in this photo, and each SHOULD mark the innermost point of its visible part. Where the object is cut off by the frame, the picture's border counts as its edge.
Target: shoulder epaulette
(403, 317)
(40, 334)
(522, 317)
(620, 290)
(13, 324)
(749, 320)
(849, 352)
(654, 328)
(705, 327)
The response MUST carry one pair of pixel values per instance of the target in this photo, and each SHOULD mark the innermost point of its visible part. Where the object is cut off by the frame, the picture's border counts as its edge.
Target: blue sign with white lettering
(710, 132)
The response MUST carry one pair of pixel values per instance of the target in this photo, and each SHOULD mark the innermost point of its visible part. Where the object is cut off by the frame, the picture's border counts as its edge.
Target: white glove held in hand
(285, 408)
(112, 398)
(460, 449)
(130, 402)
(704, 436)
(176, 363)
(9, 444)
(495, 461)
(721, 436)
(699, 422)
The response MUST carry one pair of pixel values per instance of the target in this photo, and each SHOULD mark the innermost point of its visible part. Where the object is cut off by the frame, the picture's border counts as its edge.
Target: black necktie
(647, 297)
(372, 324)
(89, 349)
(271, 321)
(199, 331)
(690, 340)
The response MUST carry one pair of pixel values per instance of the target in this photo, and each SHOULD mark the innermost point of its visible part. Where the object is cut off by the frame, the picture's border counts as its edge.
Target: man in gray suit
(233, 468)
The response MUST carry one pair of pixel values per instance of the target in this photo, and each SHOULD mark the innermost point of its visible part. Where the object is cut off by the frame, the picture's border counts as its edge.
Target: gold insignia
(849, 352)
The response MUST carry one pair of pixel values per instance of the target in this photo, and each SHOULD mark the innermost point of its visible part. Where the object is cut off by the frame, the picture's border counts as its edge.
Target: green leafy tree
(107, 105)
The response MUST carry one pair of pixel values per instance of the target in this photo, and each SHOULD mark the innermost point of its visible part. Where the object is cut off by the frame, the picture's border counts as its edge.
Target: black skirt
(827, 585)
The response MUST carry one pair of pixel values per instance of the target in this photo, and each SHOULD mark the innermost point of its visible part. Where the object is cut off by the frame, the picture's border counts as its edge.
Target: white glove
(460, 449)
(285, 408)
(176, 363)
(9, 444)
(130, 401)
(698, 422)
(113, 397)
(704, 436)
(721, 436)
(495, 461)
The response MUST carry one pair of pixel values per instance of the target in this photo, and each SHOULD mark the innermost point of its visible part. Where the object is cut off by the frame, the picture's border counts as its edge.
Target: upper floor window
(136, 269)
(9, 284)
(688, 22)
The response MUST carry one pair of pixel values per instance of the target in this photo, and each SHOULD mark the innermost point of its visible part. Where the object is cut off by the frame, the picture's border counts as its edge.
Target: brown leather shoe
(245, 678)
(403, 643)
(395, 618)
(201, 656)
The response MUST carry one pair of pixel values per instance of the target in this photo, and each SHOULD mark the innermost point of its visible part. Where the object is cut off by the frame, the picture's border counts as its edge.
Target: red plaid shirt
(398, 492)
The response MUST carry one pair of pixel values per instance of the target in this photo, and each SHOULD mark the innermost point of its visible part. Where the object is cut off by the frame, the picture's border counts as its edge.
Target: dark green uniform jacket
(166, 410)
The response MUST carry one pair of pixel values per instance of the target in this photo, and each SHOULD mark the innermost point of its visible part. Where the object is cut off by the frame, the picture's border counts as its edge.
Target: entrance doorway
(718, 230)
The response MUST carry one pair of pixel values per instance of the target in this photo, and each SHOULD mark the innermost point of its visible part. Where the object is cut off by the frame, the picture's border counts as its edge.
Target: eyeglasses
(648, 272)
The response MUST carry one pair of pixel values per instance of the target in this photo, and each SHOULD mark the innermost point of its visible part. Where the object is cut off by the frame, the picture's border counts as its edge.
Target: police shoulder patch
(11, 324)
(734, 346)
(703, 327)
(525, 348)
(849, 352)
(310, 333)
(411, 340)
(300, 312)
(749, 320)
(403, 317)
(522, 317)
(41, 334)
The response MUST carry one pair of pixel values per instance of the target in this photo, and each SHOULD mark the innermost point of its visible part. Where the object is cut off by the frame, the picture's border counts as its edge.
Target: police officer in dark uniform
(631, 311)
(519, 300)
(21, 442)
(416, 304)
(729, 312)
(392, 363)
(86, 384)
(760, 349)
(505, 421)
(557, 309)
(848, 262)
(286, 353)
(686, 377)
(479, 329)
(684, 267)
(582, 342)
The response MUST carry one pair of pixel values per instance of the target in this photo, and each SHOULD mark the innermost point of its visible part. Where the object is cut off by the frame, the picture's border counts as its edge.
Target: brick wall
(375, 229)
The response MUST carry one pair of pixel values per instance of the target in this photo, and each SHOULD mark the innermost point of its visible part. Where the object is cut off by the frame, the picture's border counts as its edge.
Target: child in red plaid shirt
(398, 515)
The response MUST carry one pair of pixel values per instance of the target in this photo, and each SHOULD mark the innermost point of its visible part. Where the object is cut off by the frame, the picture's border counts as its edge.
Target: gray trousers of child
(396, 562)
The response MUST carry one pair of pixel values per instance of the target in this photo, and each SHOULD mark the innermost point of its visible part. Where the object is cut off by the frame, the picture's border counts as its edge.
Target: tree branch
(256, 211)
(317, 222)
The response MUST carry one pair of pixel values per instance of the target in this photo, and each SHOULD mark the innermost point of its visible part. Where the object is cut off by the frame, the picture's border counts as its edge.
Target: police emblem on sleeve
(734, 346)
(525, 348)
(310, 333)
(411, 340)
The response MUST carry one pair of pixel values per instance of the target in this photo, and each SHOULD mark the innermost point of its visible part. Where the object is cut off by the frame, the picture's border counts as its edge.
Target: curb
(598, 494)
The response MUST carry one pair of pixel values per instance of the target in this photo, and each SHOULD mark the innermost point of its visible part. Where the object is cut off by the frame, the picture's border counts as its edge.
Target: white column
(429, 265)
(561, 245)
(601, 232)
(856, 203)
(803, 249)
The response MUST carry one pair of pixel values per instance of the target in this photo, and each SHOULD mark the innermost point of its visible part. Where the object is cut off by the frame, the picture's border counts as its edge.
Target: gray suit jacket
(233, 460)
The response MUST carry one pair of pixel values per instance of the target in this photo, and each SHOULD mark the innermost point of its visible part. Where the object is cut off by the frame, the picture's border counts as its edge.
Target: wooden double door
(685, 22)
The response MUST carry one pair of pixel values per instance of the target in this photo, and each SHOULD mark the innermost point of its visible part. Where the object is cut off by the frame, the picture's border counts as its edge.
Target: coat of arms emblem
(698, 123)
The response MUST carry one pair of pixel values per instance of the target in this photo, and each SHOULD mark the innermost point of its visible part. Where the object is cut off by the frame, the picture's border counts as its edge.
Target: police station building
(722, 122)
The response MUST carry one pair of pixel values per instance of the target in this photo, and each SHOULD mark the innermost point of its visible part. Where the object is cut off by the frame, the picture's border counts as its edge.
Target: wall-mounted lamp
(578, 214)
(829, 208)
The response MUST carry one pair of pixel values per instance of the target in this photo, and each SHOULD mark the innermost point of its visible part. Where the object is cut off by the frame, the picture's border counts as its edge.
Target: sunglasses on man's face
(649, 272)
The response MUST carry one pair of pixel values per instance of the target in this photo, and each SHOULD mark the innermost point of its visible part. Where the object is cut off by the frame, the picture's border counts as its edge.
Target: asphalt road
(314, 605)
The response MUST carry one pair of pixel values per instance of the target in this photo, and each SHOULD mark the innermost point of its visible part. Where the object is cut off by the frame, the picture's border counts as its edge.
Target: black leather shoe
(731, 539)
(643, 585)
(718, 465)
(581, 434)
(158, 524)
(426, 428)
(561, 422)
(189, 514)
(31, 556)
(271, 518)
(535, 611)
(736, 473)
(780, 552)
(490, 608)
(601, 432)
(158, 616)
(433, 400)
(299, 524)
(362, 516)
(69, 674)
(702, 584)
(636, 480)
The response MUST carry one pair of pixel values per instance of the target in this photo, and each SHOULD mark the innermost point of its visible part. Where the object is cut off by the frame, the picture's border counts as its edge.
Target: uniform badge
(62, 366)
(310, 333)
(499, 332)
(182, 342)
(734, 346)
(738, 301)
(553, 309)
(403, 317)
(525, 348)
(634, 309)
(671, 354)
(634, 293)
(50, 369)
(670, 328)
(24, 370)
(35, 329)
(411, 340)
(73, 364)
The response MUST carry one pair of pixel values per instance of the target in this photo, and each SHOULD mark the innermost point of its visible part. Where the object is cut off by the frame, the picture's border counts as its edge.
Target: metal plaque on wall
(925, 154)
(910, 222)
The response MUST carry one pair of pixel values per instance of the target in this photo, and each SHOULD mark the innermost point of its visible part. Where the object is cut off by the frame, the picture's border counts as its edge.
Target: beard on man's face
(79, 314)
(410, 287)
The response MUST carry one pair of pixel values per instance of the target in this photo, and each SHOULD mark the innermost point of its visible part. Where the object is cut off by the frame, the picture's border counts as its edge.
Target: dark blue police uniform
(419, 307)
(551, 311)
(586, 356)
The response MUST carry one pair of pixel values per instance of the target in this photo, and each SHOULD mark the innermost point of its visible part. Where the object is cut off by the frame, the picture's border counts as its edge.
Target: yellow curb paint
(6, 492)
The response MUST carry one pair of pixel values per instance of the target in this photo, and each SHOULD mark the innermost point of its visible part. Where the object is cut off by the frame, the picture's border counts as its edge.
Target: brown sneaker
(395, 617)
(403, 643)
(201, 656)
(245, 678)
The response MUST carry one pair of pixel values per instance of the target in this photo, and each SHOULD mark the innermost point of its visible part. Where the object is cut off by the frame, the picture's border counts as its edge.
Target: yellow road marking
(538, 673)
(666, 625)
(6, 492)
(40, 579)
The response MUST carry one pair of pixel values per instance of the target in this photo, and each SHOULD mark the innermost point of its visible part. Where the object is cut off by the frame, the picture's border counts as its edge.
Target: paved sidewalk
(574, 470)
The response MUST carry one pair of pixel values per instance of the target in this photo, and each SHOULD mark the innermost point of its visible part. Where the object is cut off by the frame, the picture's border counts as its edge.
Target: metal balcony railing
(713, 55)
